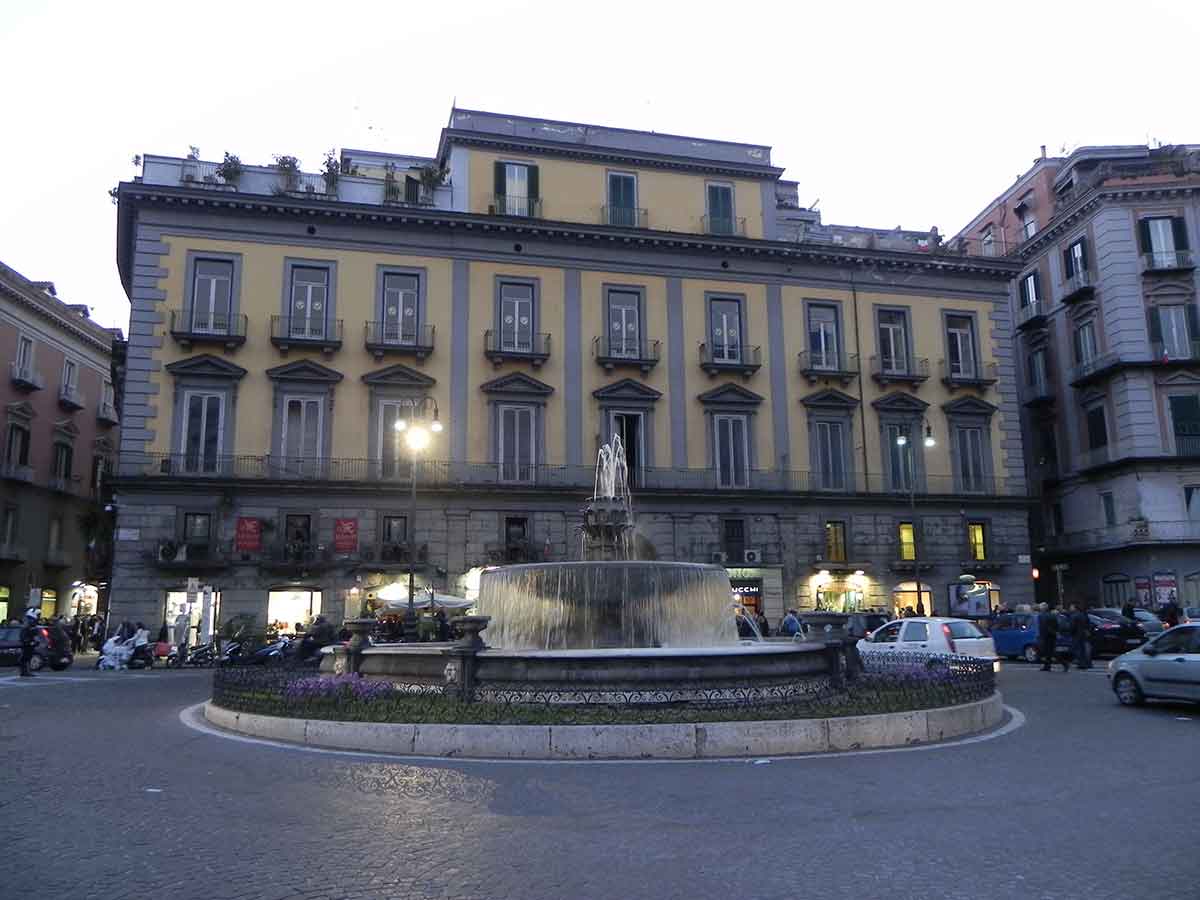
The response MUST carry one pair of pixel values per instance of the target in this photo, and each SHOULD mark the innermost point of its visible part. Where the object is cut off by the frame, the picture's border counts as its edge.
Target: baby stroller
(115, 653)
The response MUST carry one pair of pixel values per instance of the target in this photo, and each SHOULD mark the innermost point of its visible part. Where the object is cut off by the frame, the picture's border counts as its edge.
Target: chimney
(1043, 151)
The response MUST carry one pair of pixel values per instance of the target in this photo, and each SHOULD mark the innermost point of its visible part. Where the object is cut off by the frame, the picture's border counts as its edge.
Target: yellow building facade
(543, 286)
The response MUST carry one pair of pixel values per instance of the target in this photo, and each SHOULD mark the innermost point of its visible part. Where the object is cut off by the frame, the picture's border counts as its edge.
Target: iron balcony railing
(1138, 531)
(1031, 314)
(734, 226)
(1084, 371)
(298, 331)
(1167, 261)
(829, 362)
(14, 471)
(612, 351)
(975, 374)
(197, 173)
(447, 474)
(202, 328)
(106, 414)
(623, 216)
(25, 377)
(70, 397)
(64, 484)
(13, 552)
(1097, 456)
(1039, 392)
(390, 337)
(502, 343)
(1187, 444)
(736, 357)
(1174, 351)
(513, 205)
(1077, 286)
(56, 558)
(887, 368)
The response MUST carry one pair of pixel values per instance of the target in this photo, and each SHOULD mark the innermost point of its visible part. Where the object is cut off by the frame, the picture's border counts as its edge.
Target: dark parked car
(1147, 621)
(1112, 637)
(51, 650)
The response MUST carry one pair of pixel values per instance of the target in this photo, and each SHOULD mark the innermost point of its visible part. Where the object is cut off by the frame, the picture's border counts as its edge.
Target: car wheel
(1127, 691)
(1030, 653)
(64, 663)
(36, 662)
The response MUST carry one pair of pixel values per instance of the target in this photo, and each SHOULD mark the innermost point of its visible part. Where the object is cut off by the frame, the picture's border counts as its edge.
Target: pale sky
(912, 114)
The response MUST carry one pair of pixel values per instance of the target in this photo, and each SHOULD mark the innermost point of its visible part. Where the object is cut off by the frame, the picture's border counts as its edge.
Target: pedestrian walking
(1048, 637)
(1081, 637)
(28, 643)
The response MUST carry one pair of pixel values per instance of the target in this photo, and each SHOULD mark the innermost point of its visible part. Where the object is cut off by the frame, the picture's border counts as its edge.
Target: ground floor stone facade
(1148, 574)
(775, 546)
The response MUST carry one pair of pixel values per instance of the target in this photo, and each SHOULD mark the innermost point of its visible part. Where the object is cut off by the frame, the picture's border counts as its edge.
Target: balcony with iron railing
(1186, 444)
(1165, 261)
(190, 328)
(15, 471)
(833, 364)
(1031, 315)
(63, 484)
(1093, 457)
(1167, 352)
(56, 558)
(211, 175)
(733, 226)
(13, 552)
(741, 359)
(106, 413)
(455, 475)
(1093, 368)
(615, 352)
(889, 369)
(390, 339)
(1132, 533)
(70, 397)
(623, 216)
(25, 377)
(980, 375)
(504, 344)
(1079, 286)
(306, 333)
(1039, 393)
(513, 205)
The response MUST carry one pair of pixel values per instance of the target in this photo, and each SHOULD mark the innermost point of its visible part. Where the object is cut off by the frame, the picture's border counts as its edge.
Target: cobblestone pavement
(106, 793)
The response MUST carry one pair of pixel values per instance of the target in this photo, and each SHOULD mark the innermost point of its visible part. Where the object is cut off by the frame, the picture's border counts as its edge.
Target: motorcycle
(275, 654)
(200, 655)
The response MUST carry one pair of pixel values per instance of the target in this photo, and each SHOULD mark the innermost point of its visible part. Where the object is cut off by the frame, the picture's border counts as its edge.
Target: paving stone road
(1086, 800)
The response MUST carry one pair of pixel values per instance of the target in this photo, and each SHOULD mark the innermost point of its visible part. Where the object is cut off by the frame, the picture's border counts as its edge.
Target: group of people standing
(1080, 630)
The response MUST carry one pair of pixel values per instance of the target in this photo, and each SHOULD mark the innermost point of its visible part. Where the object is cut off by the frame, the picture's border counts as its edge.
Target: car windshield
(964, 630)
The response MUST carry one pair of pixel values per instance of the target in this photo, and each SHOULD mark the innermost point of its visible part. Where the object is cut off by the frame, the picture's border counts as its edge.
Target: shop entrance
(176, 603)
(905, 596)
(289, 611)
(748, 593)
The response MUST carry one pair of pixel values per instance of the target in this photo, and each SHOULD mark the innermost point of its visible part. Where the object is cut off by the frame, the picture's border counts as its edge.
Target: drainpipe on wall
(862, 409)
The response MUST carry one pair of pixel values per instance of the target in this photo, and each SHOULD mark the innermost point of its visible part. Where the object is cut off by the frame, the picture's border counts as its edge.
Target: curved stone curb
(706, 740)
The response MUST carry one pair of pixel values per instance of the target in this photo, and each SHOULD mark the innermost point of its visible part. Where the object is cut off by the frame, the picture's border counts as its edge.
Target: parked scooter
(200, 655)
(275, 654)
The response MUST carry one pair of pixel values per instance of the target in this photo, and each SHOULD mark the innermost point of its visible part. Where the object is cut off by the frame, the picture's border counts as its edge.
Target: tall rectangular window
(1097, 428)
(517, 189)
(831, 455)
(212, 286)
(629, 427)
(394, 456)
(823, 337)
(197, 528)
(977, 541)
(1162, 239)
(988, 242)
(893, 342)
(302, 432)
(971, 459)
(1086, 350)
(64, 462)
(733, 539)
(719, 202)
(1191, 502)
(900, 457)
(622, 199)
(624, 324)
(70, 376)
(1109, 507)
(725, 329)
(107, 397)
(16, 449)
(1028, 225)
(1174, 330)
(732, 451)
(25, 353)
(1037, 372)
(908, 541)
(1075, 261)
(203, 426)
(516, 443)
(8, 535)
(310, 299)
(395, 529)
(1029, 290)
(54, 541)
(401, 308)
(960, 339)
(1185, 424)
(835, 541)
(516, 317)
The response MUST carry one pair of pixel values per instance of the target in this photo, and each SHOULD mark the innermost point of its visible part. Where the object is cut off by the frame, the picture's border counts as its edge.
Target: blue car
(1016, 635)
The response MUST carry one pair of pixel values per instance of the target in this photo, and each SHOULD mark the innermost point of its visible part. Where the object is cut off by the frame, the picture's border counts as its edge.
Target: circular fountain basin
(607, 605)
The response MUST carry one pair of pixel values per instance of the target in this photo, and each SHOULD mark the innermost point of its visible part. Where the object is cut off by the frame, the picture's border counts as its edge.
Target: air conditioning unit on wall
(752, 557)
(719, 557)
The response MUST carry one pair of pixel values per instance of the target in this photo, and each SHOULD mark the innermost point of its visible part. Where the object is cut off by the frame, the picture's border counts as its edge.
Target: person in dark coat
(764, 627)
(1170, 613)
(1127, 610)
(1048, 637)
(28, 643)
(1081, 637)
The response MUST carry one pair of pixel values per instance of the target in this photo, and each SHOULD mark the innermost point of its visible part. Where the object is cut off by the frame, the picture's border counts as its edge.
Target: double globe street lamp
(418, 430)
(903, 443)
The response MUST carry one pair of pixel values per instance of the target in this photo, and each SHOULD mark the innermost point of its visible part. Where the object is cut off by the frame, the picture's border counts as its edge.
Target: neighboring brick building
(60, 425)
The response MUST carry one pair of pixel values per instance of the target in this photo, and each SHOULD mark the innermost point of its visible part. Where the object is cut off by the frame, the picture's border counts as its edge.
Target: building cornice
(47, 314)
(643, 158)
(132, 195)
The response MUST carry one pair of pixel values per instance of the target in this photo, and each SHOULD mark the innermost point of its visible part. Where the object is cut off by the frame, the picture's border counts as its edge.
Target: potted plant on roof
(430, 176)
(332, 169)
(288, 168)
(230, 169)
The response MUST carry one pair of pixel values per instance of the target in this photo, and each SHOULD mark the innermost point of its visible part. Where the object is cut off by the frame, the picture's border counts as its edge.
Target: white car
(929, 635)
(1167, 667)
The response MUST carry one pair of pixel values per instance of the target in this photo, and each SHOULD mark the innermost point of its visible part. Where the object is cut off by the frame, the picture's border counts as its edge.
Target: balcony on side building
(731, 226)
(56, 558)
(12, 471)
(297, 557)
(522, 346)
(309, 333)
(70, 397)
(1167, 261)
(13, 552)
(63, 484)
(1079, 286)
(1096, 456)
(390, 339)
(614, 352)
(831, 364)
(1031, 315)
(1093, 369)
(1039, 393)
(106, 414)
(1168, 352)
(199, 329)
(623, 216)
(910, 370)
(513, 205)
(25, 378)
(741, 359)
(979, 375)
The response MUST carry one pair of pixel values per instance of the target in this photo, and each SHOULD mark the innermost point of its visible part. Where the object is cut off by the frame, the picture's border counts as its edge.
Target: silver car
(1167, 668)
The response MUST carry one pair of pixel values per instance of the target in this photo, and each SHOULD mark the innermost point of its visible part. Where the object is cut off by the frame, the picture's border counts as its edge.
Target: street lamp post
(417, 435)
(902, 441)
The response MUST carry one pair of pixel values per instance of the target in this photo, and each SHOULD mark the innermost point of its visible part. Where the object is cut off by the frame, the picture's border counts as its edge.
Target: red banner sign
(249, 533)
(345, 535)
